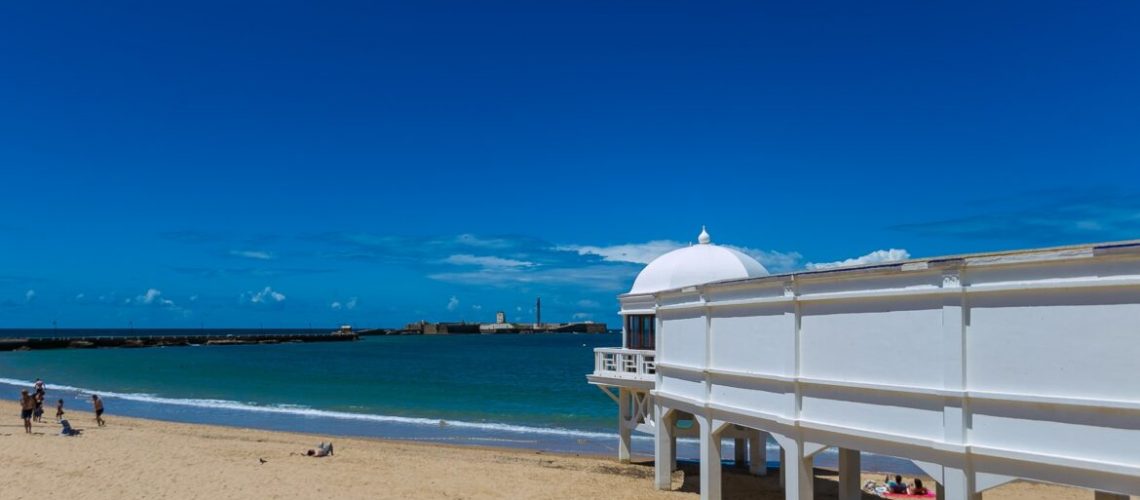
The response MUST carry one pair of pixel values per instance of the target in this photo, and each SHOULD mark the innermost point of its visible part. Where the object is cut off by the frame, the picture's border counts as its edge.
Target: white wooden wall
(1028, 364)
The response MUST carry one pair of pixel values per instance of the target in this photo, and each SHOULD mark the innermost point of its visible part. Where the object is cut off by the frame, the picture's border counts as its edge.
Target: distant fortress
(502, 326)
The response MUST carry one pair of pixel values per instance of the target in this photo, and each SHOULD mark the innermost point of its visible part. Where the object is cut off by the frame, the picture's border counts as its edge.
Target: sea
(521, 391)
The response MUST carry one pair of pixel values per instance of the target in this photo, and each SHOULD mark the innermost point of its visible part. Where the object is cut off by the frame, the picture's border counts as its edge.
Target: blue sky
(282, 163)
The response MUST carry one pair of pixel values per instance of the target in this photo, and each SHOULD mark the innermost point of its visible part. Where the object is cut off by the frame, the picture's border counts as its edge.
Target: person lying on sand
(68, 430)
(897, 486)
(323, 450)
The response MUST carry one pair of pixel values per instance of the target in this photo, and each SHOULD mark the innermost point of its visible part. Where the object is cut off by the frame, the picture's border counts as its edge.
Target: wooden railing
(625, 363)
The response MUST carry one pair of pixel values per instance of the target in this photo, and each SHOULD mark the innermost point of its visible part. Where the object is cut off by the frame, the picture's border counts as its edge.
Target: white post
(958, 484)
(664, 449)
(849, 469)
(1104, 495)
(758, 453)
(624, 426)
(783, 467)
(799, 483)
(710, 460)
(739, 452)
(673, 450)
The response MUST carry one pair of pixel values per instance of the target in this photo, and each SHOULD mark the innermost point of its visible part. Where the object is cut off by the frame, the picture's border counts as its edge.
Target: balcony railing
(625, 363)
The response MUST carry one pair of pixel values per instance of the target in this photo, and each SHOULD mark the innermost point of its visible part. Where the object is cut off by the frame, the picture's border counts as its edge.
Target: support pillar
(850, 465)
(1104, 495)
(799, 480)
(939, 491)
(740, 453)
(957, 484)
(758, 453)
(673, 450)
(783, 467)
(625, 430)
(664, 449)
(711, 444)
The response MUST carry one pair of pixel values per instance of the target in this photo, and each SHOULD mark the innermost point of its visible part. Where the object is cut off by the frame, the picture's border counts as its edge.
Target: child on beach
(98, 404)
(59, 411)
(38, 412)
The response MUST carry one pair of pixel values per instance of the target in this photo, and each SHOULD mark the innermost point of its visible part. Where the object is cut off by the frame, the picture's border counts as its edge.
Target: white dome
(696, 265)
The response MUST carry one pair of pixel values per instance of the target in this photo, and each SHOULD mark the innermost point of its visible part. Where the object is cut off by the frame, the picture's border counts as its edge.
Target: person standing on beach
(59, 411)
(27, 406)
(38, 413)
(98, 404)
(40, 386)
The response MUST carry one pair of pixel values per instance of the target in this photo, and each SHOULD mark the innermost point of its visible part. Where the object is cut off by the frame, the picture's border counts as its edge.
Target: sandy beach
(138, 458)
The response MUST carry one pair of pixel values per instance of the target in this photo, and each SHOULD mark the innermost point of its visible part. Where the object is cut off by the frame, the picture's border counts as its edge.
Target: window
(640, 331)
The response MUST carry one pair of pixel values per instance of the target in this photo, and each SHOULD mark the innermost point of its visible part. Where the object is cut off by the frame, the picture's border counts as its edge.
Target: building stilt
(849, 468)
(799, 482)
(740, 453)
(664, 449)
(783, 467)
(625, 428)
(711, 444)
(758, 453)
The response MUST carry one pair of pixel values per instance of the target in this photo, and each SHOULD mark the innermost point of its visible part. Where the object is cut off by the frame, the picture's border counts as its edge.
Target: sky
(285, 164)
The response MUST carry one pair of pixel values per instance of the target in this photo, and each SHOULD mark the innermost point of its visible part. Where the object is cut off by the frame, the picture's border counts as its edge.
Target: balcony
(624, 367)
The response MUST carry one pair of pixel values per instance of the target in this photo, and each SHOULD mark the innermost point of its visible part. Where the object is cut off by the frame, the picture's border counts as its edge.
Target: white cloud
(265, 296)
(876, 257)
(600, 277)
(773, 261)
(644, 253)
(452, 303)
(152, 297)
(637, 253)
(194, 298)
(477, 307)
(588, 304)
(486, 261)
(349, 304)
(478, 241)
(583, 316)
(80, 296)
(29, 295)
(253, 254)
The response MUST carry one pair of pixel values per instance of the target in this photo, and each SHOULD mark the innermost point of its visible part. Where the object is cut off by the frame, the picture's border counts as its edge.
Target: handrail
(625, 363)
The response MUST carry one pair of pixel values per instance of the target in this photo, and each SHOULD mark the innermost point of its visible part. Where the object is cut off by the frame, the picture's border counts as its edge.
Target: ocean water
(524, 391)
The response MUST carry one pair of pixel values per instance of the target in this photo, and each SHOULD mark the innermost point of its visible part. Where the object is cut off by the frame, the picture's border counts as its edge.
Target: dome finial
(704, 238)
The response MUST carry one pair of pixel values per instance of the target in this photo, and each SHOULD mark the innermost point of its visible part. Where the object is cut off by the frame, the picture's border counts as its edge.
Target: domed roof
(696, 265)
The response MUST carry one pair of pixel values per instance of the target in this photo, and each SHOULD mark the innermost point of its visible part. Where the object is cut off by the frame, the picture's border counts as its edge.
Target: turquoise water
(526, 380)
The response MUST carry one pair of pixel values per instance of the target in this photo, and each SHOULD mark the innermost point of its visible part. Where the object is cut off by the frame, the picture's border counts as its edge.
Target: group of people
(32, 407)
(898, 487)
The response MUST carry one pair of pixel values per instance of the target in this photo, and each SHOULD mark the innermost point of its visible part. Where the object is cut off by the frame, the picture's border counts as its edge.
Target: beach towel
(929, 494)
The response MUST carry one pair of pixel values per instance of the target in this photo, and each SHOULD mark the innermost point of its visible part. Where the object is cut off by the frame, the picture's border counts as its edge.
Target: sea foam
(308, 412)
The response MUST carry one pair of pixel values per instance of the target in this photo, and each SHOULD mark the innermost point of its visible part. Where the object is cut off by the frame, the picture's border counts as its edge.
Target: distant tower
(500, 317)
(538, 312)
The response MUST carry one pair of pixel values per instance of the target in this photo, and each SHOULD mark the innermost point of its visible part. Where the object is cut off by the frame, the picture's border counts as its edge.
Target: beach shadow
(739, 484)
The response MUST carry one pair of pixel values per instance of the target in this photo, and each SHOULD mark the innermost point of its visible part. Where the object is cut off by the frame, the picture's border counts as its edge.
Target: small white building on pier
(981, 369)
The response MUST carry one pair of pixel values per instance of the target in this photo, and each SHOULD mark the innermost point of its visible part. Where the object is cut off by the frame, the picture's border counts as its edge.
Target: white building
(981, 369)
